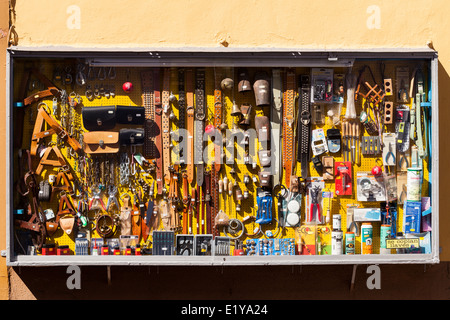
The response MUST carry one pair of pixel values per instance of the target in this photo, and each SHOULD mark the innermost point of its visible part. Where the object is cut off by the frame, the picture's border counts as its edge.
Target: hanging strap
(55, 128)
(275, 124)
(288, 126)
(190, 123)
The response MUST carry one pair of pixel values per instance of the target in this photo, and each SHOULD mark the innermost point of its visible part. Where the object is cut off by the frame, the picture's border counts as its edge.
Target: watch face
(293, 206)
(292, 219)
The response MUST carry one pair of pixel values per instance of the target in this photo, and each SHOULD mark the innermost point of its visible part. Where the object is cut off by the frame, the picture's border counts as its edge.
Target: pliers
(96, 199)
(315, 203)
(390, 153)
(403, 158)
(112, 191)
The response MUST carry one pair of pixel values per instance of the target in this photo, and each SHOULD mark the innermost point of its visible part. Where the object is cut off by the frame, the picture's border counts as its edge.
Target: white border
(25, 260)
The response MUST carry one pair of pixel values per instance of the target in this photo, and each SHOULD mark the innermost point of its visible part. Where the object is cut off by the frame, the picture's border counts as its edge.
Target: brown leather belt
(28, 181)
(182, 113)
(55, 127)
(173, 198)
(190, 124)
(186, 201)
(158, 136)
(149, 106)
(217, 154)
(35, 97)
(288, 126)
(165, 125)
(207, 192)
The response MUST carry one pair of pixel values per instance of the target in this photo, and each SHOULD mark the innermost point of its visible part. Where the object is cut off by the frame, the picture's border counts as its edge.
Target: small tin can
(116, 251)
(48, 249)
(137, 250)
(366, 238)
(128, 251)
(336, 222)
(105, 250)
(349, 243)
(336, 242)
(385, 231)
(63, 251)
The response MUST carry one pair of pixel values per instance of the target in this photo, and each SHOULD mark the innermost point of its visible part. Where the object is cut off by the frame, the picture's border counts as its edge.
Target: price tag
(402, 243)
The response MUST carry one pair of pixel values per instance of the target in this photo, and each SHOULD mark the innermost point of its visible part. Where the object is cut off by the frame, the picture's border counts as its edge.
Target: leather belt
(275, 124)
(173, 198)
(181, 113)
(200, 221)
(35, 97)
(199, 123)
(158, 131)
(149, 106)
(207, 189)
(304, 126)
(55, 127)
(288, 126)
(214, 187)
(28, 179)
(165, 125)
(45, 161)
(190, 124)
(186, 201)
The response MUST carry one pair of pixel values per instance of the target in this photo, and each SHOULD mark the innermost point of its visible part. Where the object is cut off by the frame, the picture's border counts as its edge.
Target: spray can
(385, 231)
(349, 243)
(366, 238)
(414, 185)
(336, 242)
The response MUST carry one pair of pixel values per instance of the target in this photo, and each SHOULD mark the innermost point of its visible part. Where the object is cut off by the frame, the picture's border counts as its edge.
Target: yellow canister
(366, 238)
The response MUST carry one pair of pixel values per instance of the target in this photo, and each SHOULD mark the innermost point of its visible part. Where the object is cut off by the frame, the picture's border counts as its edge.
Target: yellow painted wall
(254, 23)
(319, 24)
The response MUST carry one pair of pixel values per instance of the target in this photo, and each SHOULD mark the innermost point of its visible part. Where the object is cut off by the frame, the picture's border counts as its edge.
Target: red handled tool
(315, 203)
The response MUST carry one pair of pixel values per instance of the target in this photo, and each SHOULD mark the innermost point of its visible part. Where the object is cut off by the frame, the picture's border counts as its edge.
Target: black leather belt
(181, 116)
(304, 126)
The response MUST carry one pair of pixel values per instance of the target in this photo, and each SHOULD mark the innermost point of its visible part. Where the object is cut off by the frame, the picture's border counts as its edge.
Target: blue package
(412, 212)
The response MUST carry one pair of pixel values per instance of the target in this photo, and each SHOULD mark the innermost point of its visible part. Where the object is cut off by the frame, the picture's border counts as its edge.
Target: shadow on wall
(318, 282)
(444, 153)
